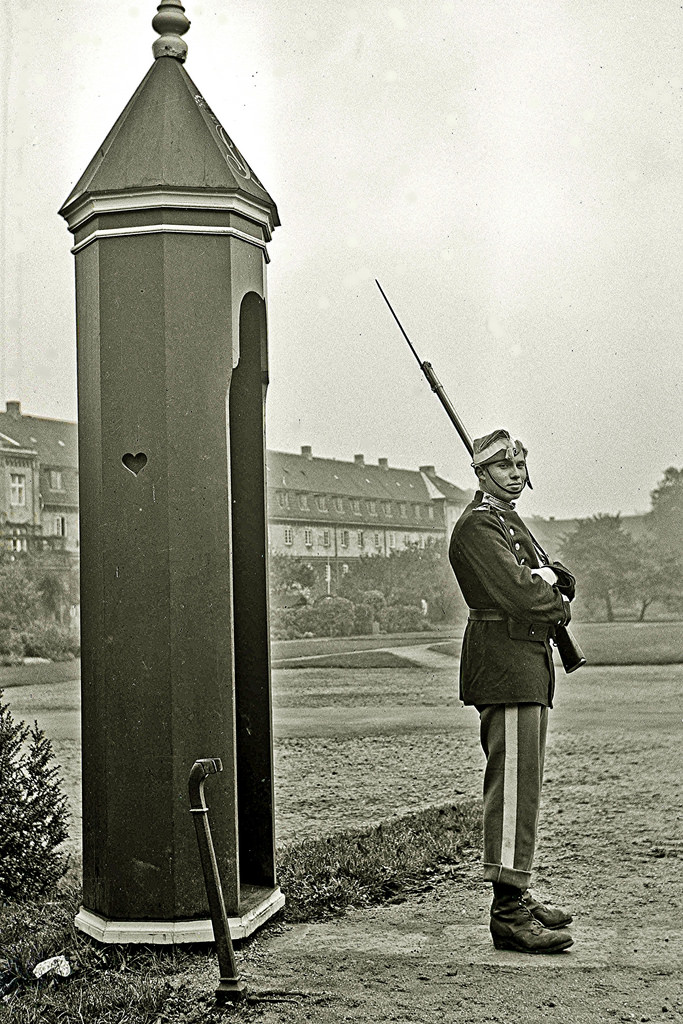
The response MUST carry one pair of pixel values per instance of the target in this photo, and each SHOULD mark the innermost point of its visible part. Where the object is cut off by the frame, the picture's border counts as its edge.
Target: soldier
(506, 672)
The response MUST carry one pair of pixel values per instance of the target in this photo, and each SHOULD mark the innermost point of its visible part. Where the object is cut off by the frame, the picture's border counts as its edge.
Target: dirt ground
(356, 746)
(610, 848)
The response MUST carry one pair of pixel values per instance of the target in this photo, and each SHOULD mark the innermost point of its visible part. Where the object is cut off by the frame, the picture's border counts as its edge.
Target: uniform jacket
(506, 661)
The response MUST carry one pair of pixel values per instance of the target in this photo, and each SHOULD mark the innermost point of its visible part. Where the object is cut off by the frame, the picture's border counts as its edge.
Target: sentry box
(170, 229)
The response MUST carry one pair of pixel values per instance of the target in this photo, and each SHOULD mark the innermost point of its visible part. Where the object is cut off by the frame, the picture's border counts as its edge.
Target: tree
(407, 577)
(657, 576)
(289, 575)
(665, 519)
(660, 570)
(605, 559)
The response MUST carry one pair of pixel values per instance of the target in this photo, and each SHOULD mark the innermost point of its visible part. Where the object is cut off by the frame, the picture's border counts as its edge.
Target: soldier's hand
(547, 574)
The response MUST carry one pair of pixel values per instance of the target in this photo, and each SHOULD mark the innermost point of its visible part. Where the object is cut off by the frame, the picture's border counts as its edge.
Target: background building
(326, 510)
(38, 483)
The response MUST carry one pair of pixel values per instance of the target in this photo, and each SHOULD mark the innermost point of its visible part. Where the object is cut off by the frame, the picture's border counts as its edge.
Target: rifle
(570, 653)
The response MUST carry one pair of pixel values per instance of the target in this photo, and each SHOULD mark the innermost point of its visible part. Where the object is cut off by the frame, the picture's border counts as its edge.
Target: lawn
(620, 643)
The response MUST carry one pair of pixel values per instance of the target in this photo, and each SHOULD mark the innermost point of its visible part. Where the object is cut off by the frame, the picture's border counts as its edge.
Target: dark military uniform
(506, 670)
(506, 655)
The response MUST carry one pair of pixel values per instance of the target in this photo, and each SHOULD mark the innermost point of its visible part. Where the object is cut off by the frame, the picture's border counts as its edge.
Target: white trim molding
(172, 229)
(133, 202)
(168, 933)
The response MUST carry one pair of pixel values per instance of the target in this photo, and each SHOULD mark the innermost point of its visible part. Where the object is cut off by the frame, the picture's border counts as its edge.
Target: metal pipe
(230, 988)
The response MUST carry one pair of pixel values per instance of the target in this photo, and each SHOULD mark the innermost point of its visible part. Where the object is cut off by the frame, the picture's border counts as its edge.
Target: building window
(345, 568)
(289, 536)
(60, 526)
(339, 504)
(377, 540)
(326, 538)
(17, 489)
(56, 480)
(403, 509)
(417, 510)
(303, 501)
(392, 540)
(430, 512)
(361, 539)
(386, 508)
(372, 508)
(322, 502)
(308, 538)
(355, 505)
(344, 538)
(283, 499)
(406, 540)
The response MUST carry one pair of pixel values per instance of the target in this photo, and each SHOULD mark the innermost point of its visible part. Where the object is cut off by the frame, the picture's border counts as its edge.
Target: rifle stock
(571, 655)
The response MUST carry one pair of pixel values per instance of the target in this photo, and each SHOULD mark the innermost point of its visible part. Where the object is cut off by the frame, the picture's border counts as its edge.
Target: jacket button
(512, 532)
(516, 547)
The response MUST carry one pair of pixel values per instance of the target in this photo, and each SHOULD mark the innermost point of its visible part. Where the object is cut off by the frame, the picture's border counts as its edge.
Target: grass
(618, 643)
(324, 877)
(630, 643)
(136, 985)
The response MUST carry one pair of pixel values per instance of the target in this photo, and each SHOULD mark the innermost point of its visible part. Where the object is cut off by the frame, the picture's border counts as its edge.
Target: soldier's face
(504, 478)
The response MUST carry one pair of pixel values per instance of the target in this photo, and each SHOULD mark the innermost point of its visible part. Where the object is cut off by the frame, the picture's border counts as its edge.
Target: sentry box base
(259, 904)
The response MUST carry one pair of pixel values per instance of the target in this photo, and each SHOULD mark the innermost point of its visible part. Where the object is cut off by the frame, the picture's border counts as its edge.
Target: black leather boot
(513, 926)
(550, 917)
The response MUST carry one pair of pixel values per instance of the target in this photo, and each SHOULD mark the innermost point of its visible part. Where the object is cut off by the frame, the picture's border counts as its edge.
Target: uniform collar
(498, 503)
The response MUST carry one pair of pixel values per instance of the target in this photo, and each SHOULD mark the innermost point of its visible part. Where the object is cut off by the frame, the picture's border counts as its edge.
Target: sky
(509, 172)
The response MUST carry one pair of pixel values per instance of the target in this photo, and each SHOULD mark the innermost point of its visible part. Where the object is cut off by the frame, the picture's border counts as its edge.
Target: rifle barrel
(571, 654)
(434, 382)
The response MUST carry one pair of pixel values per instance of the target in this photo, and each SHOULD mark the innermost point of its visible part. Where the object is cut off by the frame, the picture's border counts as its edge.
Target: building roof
(303, 474)
(55, 441)
(450, 492)
(356, 479)
(167, 136)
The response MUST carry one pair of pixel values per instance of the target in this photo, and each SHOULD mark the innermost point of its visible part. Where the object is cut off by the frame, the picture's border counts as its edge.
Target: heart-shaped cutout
(134, 463)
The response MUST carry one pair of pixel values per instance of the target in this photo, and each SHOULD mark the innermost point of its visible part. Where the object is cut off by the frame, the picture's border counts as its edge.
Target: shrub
(363, 619)
(376, 600)
(11, 647)
(405, 597)
(402, 619)
(284, 624)
(329, 616)
(33, 814)
(19, 596)
(50, 640)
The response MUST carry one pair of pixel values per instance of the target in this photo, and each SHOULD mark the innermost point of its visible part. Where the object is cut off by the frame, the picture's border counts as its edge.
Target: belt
(517, 630)
(487, 614)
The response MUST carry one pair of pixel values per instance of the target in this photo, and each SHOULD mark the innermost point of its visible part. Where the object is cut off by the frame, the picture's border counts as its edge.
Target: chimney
(384, 464)
(14, 410)
(359, 460)
(428, 470)
(307, 451)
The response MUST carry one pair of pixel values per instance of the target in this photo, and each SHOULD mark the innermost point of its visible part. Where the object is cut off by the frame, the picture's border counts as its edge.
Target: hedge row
(337, 616)
(43, 639)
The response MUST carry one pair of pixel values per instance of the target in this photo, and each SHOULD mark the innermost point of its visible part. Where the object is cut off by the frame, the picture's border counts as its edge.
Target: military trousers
(513, 738)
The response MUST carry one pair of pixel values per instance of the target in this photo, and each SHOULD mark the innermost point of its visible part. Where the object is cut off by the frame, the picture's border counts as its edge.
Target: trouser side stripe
(509, 838)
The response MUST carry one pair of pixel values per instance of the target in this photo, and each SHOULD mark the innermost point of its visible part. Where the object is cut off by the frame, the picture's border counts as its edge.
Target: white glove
(547, 574)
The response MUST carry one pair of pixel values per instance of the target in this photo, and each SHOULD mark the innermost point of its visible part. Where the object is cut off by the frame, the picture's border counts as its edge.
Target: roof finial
(170, 22)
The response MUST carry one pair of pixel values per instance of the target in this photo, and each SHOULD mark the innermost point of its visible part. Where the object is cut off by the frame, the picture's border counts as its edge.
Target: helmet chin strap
(509, 490)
